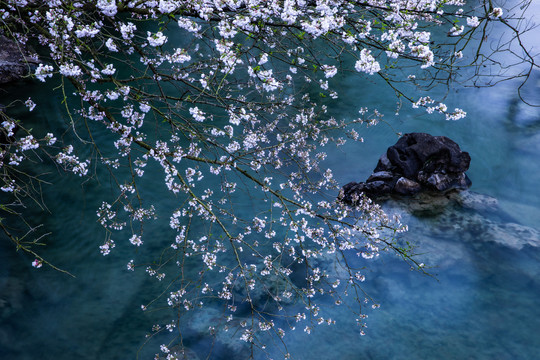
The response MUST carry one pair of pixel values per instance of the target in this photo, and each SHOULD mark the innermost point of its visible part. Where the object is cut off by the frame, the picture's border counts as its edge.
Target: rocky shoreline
(16, 60)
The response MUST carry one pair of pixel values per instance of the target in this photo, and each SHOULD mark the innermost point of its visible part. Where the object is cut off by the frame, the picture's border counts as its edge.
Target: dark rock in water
(381, 175)
(384, 164)
(405, 186)
(417, 162)
(15, 60)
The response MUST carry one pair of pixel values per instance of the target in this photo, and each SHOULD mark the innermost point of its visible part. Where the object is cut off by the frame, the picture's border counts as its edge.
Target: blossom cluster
(219, 103)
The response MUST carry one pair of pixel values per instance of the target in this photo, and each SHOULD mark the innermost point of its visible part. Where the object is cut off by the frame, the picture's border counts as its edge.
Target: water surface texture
(482, 303)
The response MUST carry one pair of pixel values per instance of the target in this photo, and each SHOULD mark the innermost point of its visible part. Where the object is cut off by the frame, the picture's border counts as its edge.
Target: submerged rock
(476, 228)
(417, 162)
(468, 216)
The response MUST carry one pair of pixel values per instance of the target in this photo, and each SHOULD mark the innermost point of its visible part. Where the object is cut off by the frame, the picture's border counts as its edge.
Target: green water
(482, 304)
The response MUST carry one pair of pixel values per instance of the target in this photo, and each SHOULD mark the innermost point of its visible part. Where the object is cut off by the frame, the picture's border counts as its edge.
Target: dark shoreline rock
(16, 61)
(418, 162)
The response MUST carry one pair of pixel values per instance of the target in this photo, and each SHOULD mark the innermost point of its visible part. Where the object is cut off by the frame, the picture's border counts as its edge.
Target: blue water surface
(481, 303)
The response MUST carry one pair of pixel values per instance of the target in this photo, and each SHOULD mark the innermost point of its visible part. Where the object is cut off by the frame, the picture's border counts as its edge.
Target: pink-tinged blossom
(108, 70)
(72, 162)
(9, 126)
(37, 263)
(144, 107)
(130, 265)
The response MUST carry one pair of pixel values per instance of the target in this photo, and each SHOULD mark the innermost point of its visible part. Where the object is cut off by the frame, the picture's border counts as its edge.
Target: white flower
(37, 263)
(144, 107)
(473, 21)
(456, 30)
(130, 265)
(109, 70)
(111, 45)
(264, 59)
(72, 162)
(87, 30)
(329, 71)
(496, 13)
(43, 72)
(106, 248)
(9, 187)
(179, 56)
(128, 30)
(441, 108)
(50, 139)
(232, 147)
(70, 70)
(28, 143)
(197, 114)
(424, 52)
(30, 104)
(210, 260)
(156, 39)
(9, 126)
(456, 115)
(112, 95)
(188, 25)
(107, 7)
(367, 63)
(136, 240)
(167, 6)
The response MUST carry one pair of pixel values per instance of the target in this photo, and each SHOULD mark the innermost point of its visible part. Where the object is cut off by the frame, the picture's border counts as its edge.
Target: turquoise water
(481, 304)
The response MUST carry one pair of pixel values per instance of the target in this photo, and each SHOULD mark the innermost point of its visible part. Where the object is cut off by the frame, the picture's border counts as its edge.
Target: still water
(482, 302)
